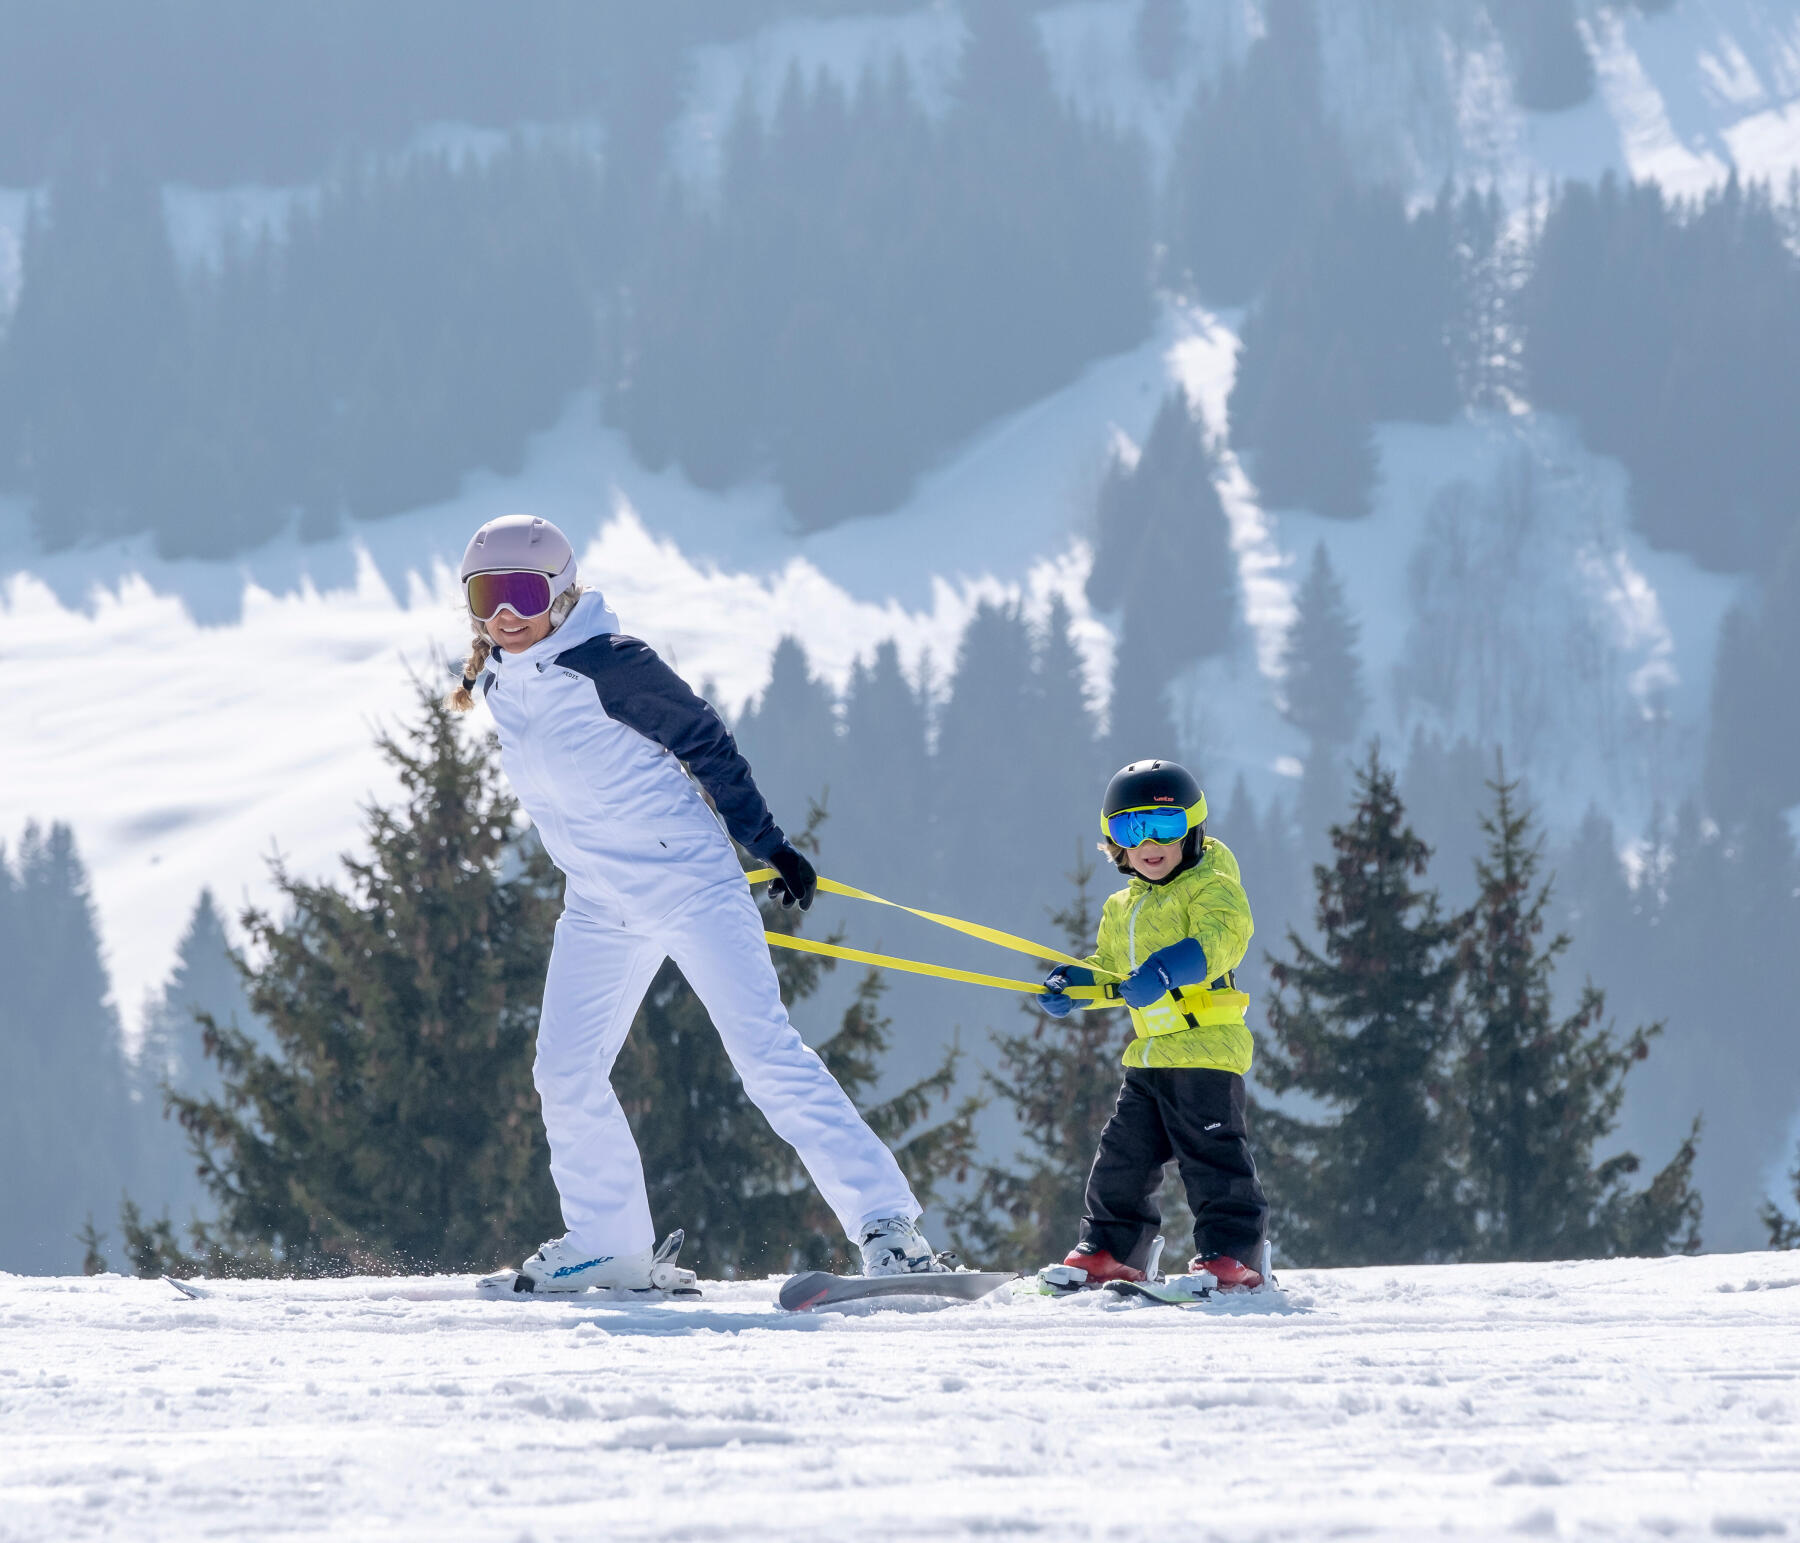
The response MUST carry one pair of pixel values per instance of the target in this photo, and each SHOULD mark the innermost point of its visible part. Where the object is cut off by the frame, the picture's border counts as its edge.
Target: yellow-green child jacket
(1192, 1025)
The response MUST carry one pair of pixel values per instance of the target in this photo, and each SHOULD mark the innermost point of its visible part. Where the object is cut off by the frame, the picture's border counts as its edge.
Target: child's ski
(819, 1288)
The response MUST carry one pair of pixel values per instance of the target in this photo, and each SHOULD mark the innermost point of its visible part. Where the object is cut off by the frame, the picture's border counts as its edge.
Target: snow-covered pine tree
(393, 1124)
(1540, 1091)
(1364, 1026)
(1322, 679)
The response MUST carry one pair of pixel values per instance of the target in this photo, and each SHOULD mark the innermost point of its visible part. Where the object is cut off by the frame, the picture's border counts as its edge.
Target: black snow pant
(1194, 1114)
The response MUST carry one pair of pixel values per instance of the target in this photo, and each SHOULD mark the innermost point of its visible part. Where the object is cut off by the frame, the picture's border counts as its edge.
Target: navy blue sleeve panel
(638, 690)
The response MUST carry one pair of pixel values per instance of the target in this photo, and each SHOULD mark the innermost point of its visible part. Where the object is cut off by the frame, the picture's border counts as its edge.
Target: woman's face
(513, 633)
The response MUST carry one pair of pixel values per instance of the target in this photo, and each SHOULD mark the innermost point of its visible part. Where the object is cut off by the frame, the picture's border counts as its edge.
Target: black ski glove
(798, 881)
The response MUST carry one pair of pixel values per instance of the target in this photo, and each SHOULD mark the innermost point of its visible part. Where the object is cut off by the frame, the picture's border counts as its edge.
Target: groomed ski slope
(1616, 1399)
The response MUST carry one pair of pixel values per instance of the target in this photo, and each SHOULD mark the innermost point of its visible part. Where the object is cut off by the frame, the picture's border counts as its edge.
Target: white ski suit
(594, 729)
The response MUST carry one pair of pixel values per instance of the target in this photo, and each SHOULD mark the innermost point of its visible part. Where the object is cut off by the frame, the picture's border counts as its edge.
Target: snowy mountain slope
(188, 717)
(1683, 96)
(1625, 1399)
(308, 647)
(928, 42)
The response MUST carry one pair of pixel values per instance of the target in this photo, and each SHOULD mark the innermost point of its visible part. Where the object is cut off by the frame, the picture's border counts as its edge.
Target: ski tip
(192, 1292)
(808, 1289)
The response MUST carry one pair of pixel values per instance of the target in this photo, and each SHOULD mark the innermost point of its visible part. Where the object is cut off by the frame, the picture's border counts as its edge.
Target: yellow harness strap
(1087, 996)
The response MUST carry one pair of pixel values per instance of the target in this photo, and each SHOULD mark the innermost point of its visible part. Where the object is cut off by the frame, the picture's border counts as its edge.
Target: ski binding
(666, 1280)
(1059, 1280)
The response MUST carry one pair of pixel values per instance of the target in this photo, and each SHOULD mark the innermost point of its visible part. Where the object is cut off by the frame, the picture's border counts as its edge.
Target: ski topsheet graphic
(819, 1288)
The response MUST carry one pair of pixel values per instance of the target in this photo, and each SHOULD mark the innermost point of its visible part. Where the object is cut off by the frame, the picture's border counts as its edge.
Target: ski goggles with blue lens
(1133, 827)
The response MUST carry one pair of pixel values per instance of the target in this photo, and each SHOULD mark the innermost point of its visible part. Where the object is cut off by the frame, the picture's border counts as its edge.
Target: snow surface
(1627, 1399)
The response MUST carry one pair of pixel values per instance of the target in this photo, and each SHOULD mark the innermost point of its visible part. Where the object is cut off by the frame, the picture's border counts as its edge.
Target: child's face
(1154, 859)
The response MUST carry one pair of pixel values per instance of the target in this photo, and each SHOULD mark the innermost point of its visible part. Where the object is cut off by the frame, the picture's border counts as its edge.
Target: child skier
(594, 732)
(1175, 932)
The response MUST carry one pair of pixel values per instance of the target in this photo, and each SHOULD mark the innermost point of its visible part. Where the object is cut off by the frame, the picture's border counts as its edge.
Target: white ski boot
(895, 1246)
(560, 1269)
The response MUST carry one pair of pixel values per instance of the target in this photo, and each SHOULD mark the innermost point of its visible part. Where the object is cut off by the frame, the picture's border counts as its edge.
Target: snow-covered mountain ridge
(118, 664)
(1626, 1399)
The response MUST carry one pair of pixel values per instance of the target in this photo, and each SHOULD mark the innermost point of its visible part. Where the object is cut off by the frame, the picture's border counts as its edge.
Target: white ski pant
(599, 971)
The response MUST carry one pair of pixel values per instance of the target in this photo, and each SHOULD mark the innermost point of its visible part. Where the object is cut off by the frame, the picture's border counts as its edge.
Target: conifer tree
(988, 715)
(1784, 1229)
(1060, 1079)
(206, 984)
(1312, 430)
(1062, 745)
(1256, 162)
(1323, 676)
(1364, 1026)
(880, 805)
(67, 1132)
(392, 1125)
(1161, 523)
(91, 362)
(1753, 751)
(1540, 1092)
(1551, 67)
(790, 736)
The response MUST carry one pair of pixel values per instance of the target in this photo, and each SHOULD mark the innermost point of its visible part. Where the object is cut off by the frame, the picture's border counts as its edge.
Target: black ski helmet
(1151, 785)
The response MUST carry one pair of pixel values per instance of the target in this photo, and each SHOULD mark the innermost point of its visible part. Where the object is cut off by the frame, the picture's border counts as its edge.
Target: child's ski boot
(1090, 1267)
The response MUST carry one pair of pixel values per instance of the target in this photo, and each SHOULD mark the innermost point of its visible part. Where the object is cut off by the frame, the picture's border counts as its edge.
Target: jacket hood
(591, 618)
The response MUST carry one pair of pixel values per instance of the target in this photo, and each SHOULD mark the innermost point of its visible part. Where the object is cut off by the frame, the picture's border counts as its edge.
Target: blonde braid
(462, 699)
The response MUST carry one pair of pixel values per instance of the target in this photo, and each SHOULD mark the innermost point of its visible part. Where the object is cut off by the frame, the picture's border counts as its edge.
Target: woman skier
(1175, 933)
(594, 733)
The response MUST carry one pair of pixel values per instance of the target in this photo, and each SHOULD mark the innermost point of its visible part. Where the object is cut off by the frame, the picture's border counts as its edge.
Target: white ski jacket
(594, 729)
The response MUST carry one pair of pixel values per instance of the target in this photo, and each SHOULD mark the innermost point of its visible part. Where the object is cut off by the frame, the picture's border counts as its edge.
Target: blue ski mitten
(1180, 964)
(1054, 1000)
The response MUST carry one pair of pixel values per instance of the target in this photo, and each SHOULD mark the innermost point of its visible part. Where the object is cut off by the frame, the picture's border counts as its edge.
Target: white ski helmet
(521, 543)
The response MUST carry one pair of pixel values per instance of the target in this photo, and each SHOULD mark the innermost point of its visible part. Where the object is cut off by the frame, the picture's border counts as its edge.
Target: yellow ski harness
(1105, 994)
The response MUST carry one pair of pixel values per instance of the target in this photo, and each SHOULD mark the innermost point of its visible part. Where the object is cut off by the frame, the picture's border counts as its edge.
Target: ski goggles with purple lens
(524, 593)
(1133, 827)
